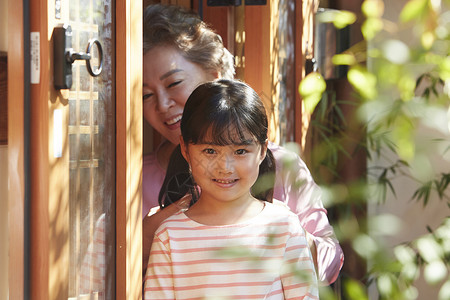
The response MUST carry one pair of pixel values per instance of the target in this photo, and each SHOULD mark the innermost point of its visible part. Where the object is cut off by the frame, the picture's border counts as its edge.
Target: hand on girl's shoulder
(153, 211)
(280, 203)
(283, 211)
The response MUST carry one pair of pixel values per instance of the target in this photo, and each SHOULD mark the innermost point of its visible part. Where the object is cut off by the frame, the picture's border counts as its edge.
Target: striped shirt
(294, 186)
(93, 269)
(266, 257)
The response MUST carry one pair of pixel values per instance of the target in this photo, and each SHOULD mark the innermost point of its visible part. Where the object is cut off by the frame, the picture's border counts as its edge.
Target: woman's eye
(147, 97)
(175, 83)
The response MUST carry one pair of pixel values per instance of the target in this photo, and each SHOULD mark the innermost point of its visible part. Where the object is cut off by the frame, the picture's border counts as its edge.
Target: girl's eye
(209, 151)
(241, 151)
(175, 83)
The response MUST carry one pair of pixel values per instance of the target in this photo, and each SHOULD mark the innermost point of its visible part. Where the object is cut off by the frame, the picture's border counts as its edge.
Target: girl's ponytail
(264, 185)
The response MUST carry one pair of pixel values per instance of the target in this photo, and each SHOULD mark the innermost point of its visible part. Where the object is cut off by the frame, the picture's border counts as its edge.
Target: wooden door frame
(129, 149)
(16, 149)
(128, 154)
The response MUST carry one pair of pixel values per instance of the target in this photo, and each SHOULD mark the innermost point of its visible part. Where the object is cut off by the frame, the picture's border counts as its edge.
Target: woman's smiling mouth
(173, 121)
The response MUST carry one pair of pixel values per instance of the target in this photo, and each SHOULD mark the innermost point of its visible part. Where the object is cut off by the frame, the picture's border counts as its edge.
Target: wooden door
(85, 154)
(73, 146)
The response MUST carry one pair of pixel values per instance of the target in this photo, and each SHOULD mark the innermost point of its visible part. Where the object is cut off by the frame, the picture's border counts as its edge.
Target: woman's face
(169, 79)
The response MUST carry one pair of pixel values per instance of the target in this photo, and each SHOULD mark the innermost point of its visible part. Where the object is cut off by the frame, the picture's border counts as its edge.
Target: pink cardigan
(294, 186)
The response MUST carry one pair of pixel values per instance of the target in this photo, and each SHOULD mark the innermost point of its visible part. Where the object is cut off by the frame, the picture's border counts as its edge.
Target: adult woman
(181, 52)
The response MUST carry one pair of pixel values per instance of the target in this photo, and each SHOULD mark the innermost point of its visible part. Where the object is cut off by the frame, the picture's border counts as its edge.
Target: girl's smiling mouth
(225, 181)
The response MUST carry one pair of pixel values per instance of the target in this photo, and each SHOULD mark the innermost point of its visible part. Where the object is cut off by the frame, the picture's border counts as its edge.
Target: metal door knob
(71, 56)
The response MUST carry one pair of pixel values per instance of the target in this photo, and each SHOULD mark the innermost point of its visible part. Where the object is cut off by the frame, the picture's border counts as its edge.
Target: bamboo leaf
(373, 9)
(413, 10)
(311, 89)
(363, 81)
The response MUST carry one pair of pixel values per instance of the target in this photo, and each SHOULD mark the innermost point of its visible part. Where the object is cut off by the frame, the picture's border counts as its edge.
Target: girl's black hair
(220, 112)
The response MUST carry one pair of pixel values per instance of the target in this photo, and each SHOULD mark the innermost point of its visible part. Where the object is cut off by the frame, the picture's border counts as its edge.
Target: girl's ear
(183, 147)
(263, 151)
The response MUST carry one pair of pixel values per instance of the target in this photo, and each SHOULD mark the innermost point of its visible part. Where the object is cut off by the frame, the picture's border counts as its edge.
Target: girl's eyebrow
(247, 142)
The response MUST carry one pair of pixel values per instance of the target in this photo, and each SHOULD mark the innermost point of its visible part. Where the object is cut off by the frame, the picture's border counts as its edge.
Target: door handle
(64, 56)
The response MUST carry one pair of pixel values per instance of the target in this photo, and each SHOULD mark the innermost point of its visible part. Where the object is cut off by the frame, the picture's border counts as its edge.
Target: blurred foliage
(401, 83)
(311, 88)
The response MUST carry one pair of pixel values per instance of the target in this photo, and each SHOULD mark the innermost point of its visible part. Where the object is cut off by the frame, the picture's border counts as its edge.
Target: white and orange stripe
(257, 259)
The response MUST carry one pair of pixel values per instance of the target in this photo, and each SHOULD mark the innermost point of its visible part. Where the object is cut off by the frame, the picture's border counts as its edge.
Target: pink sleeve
(152, 180)
(93, 269)
(295, 186)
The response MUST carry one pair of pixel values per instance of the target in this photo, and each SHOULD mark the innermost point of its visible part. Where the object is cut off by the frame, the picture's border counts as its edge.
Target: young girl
(232, 242)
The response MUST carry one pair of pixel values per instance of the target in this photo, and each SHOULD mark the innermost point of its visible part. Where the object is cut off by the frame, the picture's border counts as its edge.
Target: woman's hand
(312, 248)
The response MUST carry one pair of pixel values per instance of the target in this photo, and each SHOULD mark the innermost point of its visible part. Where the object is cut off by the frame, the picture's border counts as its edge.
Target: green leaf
(435, 272)
(365, 246)
(391, 187)
(354, 290)
(423, 193)
(373, 8)
(444, 67)
(429, 249)
(339, 18)
(403, 135)
(327, 293)
(385, 285)
(427, 39)
(444, 293)
(344, 59)
(413, 10)
(371, 27)
(404, 254)
(363, 81)
(344, 18)
(406, 86)
(311, 89)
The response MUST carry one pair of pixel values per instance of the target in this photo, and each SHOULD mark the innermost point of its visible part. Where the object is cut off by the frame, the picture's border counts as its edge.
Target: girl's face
(224, 173)
(169, 79)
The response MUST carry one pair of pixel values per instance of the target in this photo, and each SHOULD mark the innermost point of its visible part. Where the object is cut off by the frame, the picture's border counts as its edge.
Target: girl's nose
(226, 163)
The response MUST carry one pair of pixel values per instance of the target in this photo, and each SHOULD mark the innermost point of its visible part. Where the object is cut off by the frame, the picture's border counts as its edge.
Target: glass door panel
(91, 145)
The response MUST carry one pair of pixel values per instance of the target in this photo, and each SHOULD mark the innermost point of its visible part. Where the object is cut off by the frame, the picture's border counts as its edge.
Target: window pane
(92, 156)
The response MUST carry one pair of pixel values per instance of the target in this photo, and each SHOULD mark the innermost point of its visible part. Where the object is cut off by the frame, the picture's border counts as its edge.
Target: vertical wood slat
(3, 98)
(299, 73)
(4, 245)
(258, 55)
(309, 8)
(16, 149)
(129, 149)
(217, 18)
(49, 211)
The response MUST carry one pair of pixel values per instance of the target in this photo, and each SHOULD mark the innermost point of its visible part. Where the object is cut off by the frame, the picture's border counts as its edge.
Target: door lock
(64, 56)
